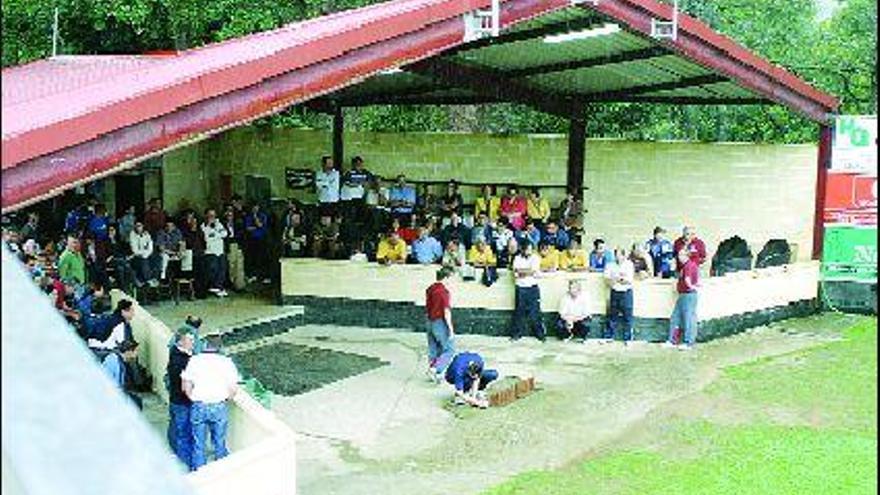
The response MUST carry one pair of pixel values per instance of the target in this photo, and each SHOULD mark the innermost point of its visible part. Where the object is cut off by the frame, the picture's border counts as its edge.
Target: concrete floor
(390, 431)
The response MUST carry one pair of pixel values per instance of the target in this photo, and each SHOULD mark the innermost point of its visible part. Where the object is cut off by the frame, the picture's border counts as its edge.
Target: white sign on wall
(854, 148)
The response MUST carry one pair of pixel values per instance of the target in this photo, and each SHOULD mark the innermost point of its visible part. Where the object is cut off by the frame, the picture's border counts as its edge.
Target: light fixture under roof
(581, 35)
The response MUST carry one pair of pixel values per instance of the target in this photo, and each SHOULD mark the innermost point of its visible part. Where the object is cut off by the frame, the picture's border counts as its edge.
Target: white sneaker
(153, 283)
(459, 401)
(214, 290)
(668, 345)
(685, 347)
(267, 281)
(251, 280)
(222, 293)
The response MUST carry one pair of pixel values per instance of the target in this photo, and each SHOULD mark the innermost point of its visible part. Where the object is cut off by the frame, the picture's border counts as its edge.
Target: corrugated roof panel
(605, 78)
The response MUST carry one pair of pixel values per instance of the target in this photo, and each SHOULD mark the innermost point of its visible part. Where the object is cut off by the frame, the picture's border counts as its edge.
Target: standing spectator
(537, 208)
(574, 318)
(192, 263)
(327, 185)
(402, 198)
(71, 264)
(684, 315)
(126, 223)
(452, 201)
(117, 256)
(527, 310)
(170, 245)
(642, 264)
(180, 433)
(426, 249)
(294, 236)
(143, 262)
(456, 231)
(214, 260)
(620, 275)
(31, 229)
(391, 249)
(514, 208)
(234, 243)
(98, 224)
(440, 331)
(353, 190)
(155, 217)
(549, 257)
(554, 236)
(111, 331)
(662, 253)
(695, 246)
(600, 258)
(325, 239)
(573, 259)
(117, 365)
(256, 225)
(488, 203)
(572, 212)
(209, 380)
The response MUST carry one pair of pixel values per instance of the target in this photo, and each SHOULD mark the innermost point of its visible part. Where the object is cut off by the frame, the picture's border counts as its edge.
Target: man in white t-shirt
(215, 261)
(327, 186)
(209, 380)
(620, 275)
(574, 317)
(527, 310)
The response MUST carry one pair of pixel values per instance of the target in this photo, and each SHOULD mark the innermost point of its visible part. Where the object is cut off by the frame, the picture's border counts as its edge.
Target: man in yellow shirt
(549, 257)
(537, 208)
(487, 203)
(480, 255)
(391, 249)
(573, 259)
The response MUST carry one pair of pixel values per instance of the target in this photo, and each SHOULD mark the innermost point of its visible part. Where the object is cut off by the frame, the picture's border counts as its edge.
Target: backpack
(776, 252)
(733, 255)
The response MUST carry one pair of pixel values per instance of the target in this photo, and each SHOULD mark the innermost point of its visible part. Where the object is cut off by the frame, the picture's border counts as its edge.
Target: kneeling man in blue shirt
(467, 374)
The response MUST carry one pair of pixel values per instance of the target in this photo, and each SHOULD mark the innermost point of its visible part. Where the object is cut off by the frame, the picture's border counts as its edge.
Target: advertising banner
(850, 253)
(854, 146)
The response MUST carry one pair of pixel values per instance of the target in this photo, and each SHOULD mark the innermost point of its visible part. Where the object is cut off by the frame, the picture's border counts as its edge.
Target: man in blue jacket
(467, 373)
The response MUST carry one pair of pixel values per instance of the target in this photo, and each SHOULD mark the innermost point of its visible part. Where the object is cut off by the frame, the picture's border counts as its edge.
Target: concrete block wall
(756, 191)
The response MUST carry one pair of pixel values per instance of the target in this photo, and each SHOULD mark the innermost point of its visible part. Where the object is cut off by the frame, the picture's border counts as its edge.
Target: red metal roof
(72, 119)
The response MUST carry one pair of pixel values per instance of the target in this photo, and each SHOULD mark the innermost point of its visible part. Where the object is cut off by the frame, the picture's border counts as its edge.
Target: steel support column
(577, 139)
(338, 138)
(822, 166)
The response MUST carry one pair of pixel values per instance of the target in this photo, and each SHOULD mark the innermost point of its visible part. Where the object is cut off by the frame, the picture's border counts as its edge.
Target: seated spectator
(452, 201)
(573, 259)
(514, 208)
(537, 208)
(391, 250)
(117, 364)
(467, 374)
(689, 240)
(641, 261)
(325, 238)
(483, 229)
(110, 331)
(426, 249)
(488, 203)
(155, 217)
(117, 257)
(600, 258)
(402, 198)
(574, 318)
(96, 269)
(453, 256)
(31, 229)
(554, 236)
(126, 223)
(572, 212)
(294, 236)
(377, 195)
(98, 224)
(482, 256)
(662, 254)
(506, 257)
(549, 257)
(531, 233)
(86, 307)
(456, 231)
(407, 231)
(501, 236)
(170, 245)
(64, 297)
(71, 264)
(214, 259)
(145, 264)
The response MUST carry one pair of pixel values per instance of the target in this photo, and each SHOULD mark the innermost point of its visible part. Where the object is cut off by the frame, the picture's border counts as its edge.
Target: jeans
(684, 316)
(146, 269)
(180, 433)
(440, 346)
(214, 273)
(528, 309)
(580, 328)
(204, 417)
(620, 310)
(486, 377)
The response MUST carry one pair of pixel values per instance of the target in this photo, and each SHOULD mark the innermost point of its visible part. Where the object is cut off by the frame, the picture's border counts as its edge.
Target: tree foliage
(837, 55)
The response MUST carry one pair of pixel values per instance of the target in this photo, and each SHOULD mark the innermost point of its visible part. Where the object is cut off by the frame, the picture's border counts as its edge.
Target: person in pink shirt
(684, 316)
(514, 208)
(695, 246)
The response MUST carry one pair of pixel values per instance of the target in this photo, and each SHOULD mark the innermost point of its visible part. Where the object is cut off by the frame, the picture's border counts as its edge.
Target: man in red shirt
(439, 327)
(684, 315)
(695, 246)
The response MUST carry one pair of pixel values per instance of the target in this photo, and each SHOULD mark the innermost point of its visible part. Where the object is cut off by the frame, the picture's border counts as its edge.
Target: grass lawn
(801, 423)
